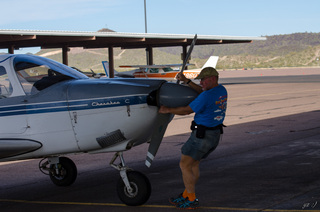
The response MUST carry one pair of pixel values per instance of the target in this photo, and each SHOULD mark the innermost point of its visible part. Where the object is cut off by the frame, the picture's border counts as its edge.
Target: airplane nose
(176, 95)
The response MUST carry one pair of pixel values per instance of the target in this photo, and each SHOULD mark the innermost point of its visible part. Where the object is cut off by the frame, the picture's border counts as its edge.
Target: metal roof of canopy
(15, 39)
(58, 39)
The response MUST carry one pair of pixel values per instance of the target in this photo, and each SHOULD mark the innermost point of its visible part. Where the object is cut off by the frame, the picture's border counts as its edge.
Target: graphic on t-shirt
(222, 105)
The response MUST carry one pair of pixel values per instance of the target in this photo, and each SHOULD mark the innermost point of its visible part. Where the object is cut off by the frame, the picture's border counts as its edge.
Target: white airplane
(48, 110)
(166, 71)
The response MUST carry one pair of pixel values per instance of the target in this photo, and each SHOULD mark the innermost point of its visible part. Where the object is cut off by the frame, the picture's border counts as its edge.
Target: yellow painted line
(61, 203)
(13, 162)
(149, 206)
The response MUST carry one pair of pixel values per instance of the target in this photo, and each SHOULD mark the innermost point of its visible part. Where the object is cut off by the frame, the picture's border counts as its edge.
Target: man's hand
(164, 109)
(180, 76)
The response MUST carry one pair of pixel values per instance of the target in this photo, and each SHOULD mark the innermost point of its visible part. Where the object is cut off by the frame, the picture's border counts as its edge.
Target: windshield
(37, 73)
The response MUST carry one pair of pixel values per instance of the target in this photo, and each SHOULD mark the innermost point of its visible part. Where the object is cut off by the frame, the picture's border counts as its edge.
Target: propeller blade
(159, 130)
(188, 55)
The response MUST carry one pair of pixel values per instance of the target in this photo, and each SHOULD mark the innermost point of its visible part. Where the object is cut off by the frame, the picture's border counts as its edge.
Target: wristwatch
(188, 81)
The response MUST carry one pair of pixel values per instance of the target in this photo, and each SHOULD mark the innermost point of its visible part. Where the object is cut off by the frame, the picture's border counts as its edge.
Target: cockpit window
(36, 74)
(35, 78)
(5, 85)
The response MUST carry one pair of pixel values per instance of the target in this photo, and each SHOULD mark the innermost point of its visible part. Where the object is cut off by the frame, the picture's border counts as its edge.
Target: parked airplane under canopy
(34, 90)
(15, 39)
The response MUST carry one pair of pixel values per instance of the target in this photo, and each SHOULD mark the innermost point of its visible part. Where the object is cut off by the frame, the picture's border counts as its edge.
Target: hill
(290, 50)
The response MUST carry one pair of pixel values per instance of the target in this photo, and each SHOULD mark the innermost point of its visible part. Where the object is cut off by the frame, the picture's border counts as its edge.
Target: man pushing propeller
(210, 110)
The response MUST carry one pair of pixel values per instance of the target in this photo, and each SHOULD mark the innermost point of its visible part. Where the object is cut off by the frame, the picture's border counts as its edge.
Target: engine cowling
(175, 95)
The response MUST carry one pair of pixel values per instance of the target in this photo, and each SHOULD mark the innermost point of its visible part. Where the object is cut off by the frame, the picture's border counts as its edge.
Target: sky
(202, 17)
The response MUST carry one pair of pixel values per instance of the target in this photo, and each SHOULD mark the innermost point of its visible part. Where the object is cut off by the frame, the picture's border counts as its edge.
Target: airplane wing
(153, 66)
(125, 74)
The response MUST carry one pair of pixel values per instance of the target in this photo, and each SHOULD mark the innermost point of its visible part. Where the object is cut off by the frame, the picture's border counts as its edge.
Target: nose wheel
(140, 189)
(133, 187)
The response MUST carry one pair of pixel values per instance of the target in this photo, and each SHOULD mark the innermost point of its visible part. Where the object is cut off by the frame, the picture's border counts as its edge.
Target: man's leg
(190, 175)
(190, 172)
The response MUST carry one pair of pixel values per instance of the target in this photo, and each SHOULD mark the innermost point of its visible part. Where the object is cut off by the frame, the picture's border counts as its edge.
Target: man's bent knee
(188, 162)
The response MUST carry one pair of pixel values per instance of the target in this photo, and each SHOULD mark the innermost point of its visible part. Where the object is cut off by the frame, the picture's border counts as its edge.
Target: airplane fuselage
(47, 110)
(72, 122)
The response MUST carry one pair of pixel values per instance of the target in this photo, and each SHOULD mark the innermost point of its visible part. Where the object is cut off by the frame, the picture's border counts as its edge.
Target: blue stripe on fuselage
(73, 105)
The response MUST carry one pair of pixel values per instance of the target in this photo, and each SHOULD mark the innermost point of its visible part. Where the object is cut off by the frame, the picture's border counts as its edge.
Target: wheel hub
(133, 192)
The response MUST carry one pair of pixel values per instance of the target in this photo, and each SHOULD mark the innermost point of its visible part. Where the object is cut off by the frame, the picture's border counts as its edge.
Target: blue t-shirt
(210, 106)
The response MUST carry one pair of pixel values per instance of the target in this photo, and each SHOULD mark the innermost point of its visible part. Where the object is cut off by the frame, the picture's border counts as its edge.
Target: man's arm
(180, 76)
(195, 86)
(176, 110)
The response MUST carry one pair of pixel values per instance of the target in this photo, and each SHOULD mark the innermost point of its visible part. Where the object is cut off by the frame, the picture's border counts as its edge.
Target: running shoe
(189, 204)
(178, 200)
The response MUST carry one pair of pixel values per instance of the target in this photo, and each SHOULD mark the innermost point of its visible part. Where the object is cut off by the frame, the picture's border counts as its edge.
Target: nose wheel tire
(64, 173)
(141, 189)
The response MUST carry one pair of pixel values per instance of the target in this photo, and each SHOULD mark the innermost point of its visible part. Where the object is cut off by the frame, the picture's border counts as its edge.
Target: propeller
(171, 95)
(174, 96)
(188, 55)
(158, 133)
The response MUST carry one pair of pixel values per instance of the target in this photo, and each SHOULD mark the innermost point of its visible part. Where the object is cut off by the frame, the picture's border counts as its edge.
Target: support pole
(145, 16)
(11, 50)
(111, 62)
(149, 55)
(65, 50)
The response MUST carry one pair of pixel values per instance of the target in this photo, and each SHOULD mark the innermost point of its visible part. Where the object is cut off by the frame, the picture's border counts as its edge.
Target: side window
(167, 69)
(154, 70)
(5, 85)
(35, 78)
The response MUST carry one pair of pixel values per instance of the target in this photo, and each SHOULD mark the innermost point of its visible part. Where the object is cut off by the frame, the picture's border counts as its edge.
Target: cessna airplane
(165, 72)
(48, 110)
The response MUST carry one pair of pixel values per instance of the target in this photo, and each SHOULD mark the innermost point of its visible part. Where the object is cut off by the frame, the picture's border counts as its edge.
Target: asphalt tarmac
(267, 160)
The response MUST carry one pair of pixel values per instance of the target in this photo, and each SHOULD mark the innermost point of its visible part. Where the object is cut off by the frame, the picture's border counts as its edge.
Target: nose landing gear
(133, 187)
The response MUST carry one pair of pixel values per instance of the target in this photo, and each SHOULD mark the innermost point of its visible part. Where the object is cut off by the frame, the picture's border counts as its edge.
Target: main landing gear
(62, 170)
(133, 187)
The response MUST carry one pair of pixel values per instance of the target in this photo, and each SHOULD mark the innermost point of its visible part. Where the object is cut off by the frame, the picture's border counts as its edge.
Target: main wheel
(141, 189)
(67, 172)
